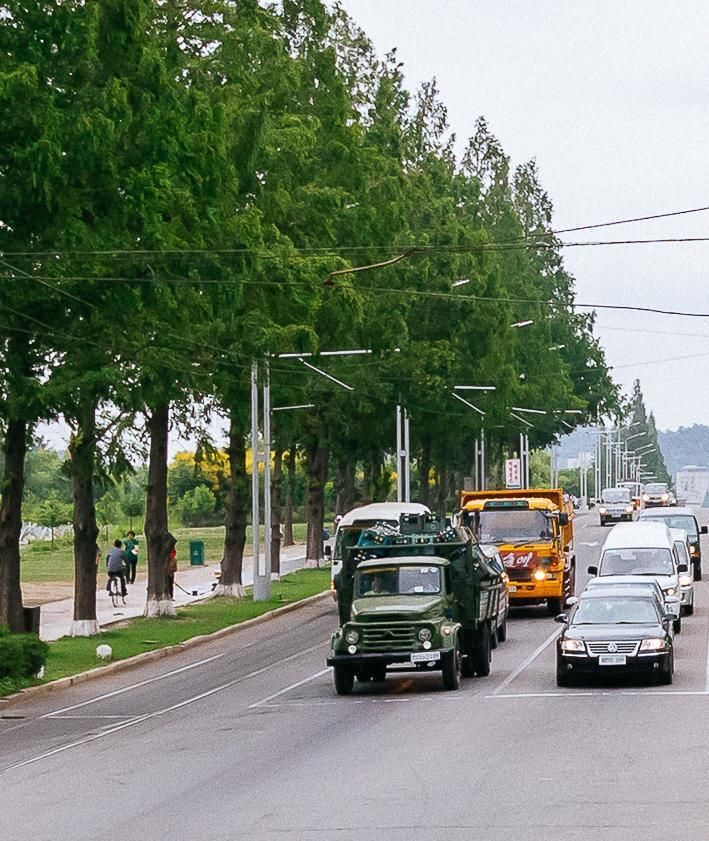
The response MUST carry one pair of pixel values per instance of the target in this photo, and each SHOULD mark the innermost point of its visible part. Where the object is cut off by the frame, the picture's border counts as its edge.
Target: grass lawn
(42, 562)
(69, 656)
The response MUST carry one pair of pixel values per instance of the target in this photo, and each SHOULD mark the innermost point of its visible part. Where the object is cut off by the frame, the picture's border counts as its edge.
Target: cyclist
(115, 567)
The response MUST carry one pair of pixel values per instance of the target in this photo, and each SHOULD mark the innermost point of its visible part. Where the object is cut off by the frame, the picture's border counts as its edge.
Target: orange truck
(534, 533)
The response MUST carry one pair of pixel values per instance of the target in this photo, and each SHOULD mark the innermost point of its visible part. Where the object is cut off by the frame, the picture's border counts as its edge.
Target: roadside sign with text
(513, 473)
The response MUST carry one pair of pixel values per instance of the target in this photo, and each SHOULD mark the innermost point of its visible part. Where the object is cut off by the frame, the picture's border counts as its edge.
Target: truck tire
(481, 653)
(344, 679)
(555, 607)
(452, 670)
(502, 630)
(697, 571)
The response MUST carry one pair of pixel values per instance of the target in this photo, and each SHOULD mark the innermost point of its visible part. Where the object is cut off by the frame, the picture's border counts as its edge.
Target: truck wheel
(677, 625)
(344, 679)
(502, 630)
(493, 635)
(697, 571)
(555, 607)
(481, 654)
(452, 669)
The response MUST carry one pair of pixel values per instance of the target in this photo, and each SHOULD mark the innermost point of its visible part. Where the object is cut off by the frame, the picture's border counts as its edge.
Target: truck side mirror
(563, 519)
(328, 551)
(592, 570)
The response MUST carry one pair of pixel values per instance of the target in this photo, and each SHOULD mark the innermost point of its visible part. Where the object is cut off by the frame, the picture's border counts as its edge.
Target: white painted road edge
(529, 660)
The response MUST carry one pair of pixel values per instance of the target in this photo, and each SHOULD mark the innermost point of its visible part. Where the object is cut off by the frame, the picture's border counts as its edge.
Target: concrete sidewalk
(192, 583)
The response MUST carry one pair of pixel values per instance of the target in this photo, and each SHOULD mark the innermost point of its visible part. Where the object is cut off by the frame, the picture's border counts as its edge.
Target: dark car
(615, 632)
(681, 518)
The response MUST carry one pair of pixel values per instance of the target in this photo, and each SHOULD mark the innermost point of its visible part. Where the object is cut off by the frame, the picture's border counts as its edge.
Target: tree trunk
(236, 512)
(157, 536)
(425, 472)
(290, 490)
(368, 480)
(13, 484)
(82, 449)
(345, 499)
(276, 482)
(441, 486)
(317, 470)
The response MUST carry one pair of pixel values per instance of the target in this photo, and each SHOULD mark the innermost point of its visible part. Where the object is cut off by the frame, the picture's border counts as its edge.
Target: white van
(355, 521)
(644, 549)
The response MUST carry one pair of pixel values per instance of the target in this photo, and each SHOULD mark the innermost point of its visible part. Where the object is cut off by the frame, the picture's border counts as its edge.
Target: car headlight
(572, 645)
(685, 580)
(655, 644)
(425, 634)
(665, 497)
(539, 575)
(601, 510)
(670, 591)
(352, 636)
(647, 497)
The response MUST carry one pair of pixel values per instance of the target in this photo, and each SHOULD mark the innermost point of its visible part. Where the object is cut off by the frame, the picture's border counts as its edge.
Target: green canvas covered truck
(422, 598)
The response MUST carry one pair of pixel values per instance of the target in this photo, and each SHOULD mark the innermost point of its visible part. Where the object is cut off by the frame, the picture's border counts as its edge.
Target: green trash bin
(196, 553)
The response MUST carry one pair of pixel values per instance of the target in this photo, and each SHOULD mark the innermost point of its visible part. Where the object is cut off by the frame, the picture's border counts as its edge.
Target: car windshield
(615, 611)
(656, 489)
(404, 580)
(678, 521)
(616, 495)
(509, 526)
(636, 562)
(682, 551)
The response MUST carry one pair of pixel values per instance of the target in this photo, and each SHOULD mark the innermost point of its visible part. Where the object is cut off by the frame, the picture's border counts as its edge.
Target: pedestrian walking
(115, 567)
(171, 570)
(130, 554)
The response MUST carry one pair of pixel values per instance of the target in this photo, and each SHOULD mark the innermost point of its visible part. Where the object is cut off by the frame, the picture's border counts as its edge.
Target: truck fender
(451, 640)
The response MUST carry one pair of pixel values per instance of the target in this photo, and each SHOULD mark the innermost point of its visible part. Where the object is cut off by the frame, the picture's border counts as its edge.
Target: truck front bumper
(535, 590)
(388, 658)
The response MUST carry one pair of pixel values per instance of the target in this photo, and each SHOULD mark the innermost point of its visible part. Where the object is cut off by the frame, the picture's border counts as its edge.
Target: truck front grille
(388, 639)
(522, 574)
(629, 647)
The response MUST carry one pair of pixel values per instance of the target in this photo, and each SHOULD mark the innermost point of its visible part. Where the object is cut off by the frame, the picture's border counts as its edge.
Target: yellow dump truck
(534, 533)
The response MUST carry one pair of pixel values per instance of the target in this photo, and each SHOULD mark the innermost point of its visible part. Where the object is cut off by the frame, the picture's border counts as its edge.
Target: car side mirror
(563, 519)
(682, 568)
(704, 530)
(571, 601)
(328, 551)
(592, 570)
(562, 619)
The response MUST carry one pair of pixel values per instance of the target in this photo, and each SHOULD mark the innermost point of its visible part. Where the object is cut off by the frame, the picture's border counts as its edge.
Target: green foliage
(21, 655)
(197, 506)
(52, 512)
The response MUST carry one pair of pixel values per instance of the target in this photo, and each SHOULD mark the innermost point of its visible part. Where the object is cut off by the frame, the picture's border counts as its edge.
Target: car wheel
(563, 678)
(697, 571)
(665, 678)
(344, 679)
(677, 625)
(452, 670)
(689, 610)
(502, 630)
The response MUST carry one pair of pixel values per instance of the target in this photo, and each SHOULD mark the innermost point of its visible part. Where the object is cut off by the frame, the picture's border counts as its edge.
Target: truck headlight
(602, 510)
(685, 580)
(573, 645)
(655, 644)
(670, 591)
(539, 575)
(352, 636)
(425, 634)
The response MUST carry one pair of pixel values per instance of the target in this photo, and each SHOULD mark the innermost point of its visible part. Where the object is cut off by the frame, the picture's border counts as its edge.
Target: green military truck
(425, 598)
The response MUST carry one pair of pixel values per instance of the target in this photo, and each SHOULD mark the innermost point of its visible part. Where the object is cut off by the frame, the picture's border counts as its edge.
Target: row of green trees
(178, 180)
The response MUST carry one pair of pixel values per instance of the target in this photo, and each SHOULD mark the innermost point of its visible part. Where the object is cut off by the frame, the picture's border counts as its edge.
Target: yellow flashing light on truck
(534, 534)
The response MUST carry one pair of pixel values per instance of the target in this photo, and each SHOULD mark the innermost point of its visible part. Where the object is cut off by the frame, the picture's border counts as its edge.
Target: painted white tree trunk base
(312, 563)
(233, 591)
(84, 628)
(159, 607)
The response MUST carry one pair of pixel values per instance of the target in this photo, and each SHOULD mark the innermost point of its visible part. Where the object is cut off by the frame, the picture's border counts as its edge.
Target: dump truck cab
(533, 531)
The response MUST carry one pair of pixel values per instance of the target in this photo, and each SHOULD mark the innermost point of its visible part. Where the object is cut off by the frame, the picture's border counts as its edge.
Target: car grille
(629, 647)
(387, 639)
(520, 574)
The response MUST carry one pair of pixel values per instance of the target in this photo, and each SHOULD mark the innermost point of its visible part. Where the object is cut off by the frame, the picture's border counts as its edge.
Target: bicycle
(114, 590)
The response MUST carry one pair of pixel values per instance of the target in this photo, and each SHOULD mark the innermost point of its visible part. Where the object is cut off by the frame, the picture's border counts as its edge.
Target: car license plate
(512, 589)
(611, 659)
(425, 656)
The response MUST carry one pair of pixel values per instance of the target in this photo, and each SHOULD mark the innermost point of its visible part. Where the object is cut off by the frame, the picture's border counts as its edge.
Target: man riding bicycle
(115, 567)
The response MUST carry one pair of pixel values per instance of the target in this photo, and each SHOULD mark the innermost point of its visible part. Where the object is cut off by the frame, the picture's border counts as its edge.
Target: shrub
(21, 655)
(197, 506)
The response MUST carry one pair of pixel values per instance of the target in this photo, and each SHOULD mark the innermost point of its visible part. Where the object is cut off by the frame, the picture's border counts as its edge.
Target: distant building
(692, 485)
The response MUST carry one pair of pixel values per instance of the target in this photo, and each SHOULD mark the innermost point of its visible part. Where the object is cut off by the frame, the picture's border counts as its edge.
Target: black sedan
(615, 632)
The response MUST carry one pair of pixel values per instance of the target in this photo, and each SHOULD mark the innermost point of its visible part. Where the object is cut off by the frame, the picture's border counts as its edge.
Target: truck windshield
(616, 495)
(636, 562)
(404, 580)
(508, 526)
(614, 611)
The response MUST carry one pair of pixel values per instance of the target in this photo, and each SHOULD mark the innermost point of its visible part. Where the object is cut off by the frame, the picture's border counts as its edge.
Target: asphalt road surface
(244, 738)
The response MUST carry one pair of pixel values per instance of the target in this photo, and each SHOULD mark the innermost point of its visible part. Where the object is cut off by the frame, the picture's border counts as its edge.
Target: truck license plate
(425, 656)
(611, 659)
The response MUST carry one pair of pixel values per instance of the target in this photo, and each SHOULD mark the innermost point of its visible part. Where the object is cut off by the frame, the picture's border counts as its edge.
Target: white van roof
(640, 535)
(387, 511)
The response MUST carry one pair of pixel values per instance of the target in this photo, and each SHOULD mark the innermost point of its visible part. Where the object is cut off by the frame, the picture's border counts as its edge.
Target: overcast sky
(612, 99)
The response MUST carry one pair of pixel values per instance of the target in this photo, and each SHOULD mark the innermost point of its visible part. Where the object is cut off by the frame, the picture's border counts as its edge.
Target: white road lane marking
(647, 693)
(132, 686)
(706, 668)
(592, 543)
(289, 688)
(148, 716)
(523, 665)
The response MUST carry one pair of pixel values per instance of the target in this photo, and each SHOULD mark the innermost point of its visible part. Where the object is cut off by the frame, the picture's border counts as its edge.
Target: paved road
(244, 738)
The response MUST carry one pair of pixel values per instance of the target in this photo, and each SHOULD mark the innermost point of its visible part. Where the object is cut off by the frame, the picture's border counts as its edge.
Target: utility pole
(403, 456)
(261, 454)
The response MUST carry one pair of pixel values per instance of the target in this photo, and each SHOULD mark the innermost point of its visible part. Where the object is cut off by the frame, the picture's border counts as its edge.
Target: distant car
(615, 504)
(492, 553)
(685, 579)
(615, 631)
(682, 518)
(658, 494)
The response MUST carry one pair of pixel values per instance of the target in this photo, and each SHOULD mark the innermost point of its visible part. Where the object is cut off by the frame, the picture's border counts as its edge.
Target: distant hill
(686, 445)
